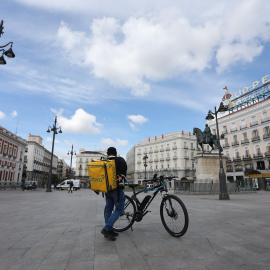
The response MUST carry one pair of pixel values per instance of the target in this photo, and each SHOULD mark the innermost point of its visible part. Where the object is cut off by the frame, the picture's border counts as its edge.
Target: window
(168, 165)
(234, 127)
(245, 136)
(255, 133)
(5, 150)
(225, 130)
(235, 138)
(191, 146)
(243, 123)
(267, 130)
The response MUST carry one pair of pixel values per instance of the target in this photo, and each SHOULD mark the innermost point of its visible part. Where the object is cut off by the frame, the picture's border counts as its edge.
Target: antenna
(17, 126)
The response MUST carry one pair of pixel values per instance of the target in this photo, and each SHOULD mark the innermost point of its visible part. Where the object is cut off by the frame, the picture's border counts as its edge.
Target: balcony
(145, 152)
(266, 136)
(174, 147)
(151, 160)
(265, 119)
(258, 155)
(139, 153)
(168, 149)
(168, 159)
(254, 123)
(255, 138)
(185, 147)
(228, 160)
(151, 152)
(229, 169)
(139, 162)
(156, 160)
(234, 129)
(161, 150)
(225, 131)
(267, 154)
(238, 169)
(156, 150)
(226, 145)
(235, 143)
(246, 157)
(162, 159)
(245, 141)
(186, 157)
(243, 126)
(175, 157)
(237, 159)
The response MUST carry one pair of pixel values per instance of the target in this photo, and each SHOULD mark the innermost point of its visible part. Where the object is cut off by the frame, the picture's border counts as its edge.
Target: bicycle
(173, 213)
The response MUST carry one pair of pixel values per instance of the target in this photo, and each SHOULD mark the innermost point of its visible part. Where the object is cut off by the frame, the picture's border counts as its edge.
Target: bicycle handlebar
(162, 178)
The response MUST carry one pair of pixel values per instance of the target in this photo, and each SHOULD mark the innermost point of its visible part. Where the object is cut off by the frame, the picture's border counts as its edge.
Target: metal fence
(193, 187)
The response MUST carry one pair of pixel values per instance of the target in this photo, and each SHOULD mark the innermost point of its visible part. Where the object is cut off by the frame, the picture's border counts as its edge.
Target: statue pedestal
(207, 167)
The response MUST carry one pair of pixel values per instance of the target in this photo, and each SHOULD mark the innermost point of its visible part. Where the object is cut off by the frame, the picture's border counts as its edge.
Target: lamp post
(54, 130)
(145, 165)
(9, 53)
(71, 153)
(223, 195)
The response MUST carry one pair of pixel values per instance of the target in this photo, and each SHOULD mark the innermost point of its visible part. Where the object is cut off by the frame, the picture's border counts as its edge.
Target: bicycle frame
(158, 188)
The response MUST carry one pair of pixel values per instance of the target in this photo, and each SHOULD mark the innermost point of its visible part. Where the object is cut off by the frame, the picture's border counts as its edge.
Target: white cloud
(14, 113)
(2, 115)
(118, 143)
(49, 139)
(136, 120)
(153, 47)
(80, 122)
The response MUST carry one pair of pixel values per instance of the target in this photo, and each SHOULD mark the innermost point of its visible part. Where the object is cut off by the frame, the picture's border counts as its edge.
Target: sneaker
(108, 234)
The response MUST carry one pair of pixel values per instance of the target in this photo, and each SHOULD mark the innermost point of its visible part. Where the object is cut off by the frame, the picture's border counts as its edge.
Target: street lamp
(9, 53)
(145, 165)
(223, 195)
(71, 153)
(54, 130)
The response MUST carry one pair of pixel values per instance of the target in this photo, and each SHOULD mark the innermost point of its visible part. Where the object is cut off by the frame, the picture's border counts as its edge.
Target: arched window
(267, 130)
(255, 133)
(258, 150)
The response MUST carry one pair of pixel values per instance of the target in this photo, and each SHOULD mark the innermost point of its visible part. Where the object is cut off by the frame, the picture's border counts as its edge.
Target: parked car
(65, 184)
(29, 185)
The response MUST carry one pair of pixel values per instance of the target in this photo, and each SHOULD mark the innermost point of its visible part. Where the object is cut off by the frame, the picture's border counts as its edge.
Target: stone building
(247, 137)
(169, 155)
(12, 148)
(82, 158)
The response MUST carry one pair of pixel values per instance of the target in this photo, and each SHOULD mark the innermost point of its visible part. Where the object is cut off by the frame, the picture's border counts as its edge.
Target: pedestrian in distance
(116, 197)
(70, 186)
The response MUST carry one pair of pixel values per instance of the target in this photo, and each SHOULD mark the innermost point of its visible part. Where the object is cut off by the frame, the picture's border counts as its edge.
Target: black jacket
(120, 164)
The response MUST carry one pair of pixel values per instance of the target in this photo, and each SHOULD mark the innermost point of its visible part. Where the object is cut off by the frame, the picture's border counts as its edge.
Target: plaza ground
(56, 230)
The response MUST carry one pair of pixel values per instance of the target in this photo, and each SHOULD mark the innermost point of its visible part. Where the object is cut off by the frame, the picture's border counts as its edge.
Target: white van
(65, 184)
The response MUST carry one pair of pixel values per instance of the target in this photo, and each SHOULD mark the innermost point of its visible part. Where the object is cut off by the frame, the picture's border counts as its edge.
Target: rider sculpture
(206, 137)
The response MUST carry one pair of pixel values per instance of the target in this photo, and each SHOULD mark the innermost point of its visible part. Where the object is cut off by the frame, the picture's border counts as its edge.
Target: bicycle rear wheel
(125, 221)
(174, 215)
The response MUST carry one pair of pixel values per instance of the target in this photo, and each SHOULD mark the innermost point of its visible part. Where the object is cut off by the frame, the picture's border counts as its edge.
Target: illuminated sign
(247, 96)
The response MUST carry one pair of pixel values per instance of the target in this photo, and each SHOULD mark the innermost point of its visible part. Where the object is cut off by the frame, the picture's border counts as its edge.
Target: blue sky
(117, 72)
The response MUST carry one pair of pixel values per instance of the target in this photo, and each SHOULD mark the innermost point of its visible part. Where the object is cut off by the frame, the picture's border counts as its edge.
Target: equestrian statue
(206, 137)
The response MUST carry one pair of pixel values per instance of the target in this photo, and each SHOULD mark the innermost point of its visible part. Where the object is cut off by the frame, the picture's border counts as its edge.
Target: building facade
(12, 148)
(247, 140)
(82, 158)
(169, 155)
(37, 160)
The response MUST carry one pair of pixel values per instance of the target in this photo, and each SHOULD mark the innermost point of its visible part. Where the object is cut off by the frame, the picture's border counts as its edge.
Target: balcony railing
(168, 159)
(233, 129)
(266, 136)
(238, 169)
(237, 159)
(229, 169)
(265, 119)
(139, 153)
(254, 123)
(258, 155)
(226, 145)
(267, 153)
(235, 143)
(255, 138)
(168, 149)
(245, 141)
(243, 126)
(247, 157)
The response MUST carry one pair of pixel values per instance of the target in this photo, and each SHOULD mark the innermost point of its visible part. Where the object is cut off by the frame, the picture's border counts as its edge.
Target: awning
(258, 175)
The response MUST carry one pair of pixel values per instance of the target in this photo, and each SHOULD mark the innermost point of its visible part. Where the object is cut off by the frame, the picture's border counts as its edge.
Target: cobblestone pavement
(56, 230)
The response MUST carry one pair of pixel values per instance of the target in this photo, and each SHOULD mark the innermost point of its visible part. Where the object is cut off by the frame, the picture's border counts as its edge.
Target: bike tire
(126, 219)
(174, 215)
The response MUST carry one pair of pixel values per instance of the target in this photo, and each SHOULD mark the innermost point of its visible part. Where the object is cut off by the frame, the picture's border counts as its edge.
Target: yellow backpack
(102, 175)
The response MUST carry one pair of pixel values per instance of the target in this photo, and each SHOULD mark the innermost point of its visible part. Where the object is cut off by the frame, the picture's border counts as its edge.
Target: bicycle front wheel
(125, 221)
(174, 215)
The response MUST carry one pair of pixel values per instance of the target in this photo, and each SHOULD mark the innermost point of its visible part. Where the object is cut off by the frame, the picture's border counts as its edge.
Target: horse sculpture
(202, 139)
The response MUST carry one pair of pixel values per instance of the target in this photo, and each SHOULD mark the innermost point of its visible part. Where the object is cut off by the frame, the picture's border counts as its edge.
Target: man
(208, 134)
(70, 186)
(114, 198)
